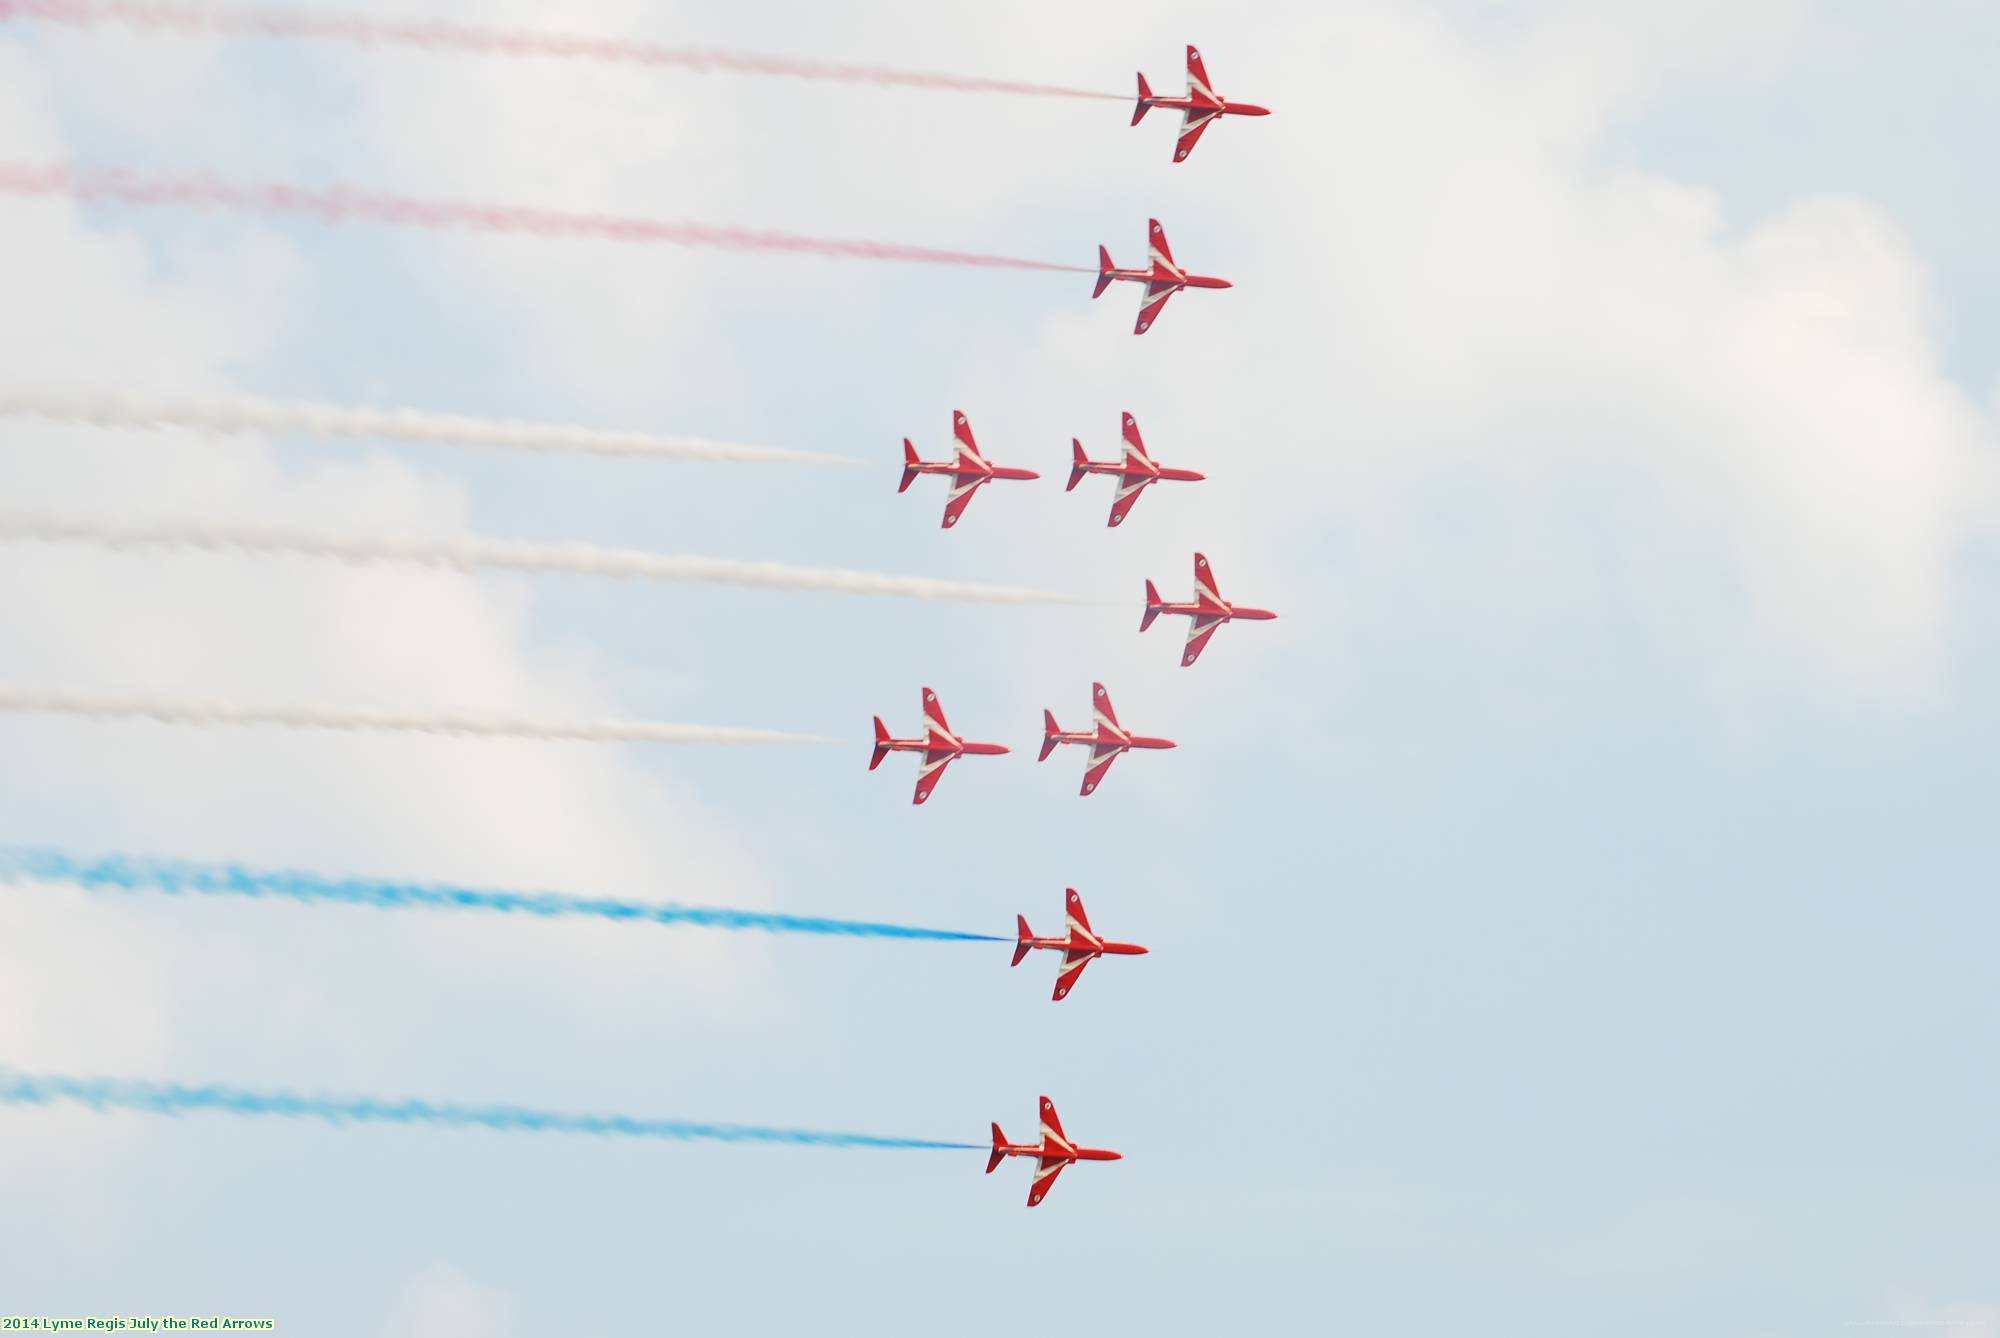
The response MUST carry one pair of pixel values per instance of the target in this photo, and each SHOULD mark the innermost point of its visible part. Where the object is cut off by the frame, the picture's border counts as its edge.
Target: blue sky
(1573, 916)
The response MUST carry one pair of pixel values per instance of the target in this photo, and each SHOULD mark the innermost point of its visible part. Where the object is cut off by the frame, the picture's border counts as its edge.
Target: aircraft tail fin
(1077, 462)
(999, 1151)
(1153, 603)
(1021, 944)
(1104, 268)
(881, 744)
(1145, 100)
(910, 459)
(1049, 731)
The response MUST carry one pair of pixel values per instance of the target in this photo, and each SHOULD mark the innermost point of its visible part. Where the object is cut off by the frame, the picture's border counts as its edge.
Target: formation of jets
(1106, 740)
(1202, 106)
(969, 470)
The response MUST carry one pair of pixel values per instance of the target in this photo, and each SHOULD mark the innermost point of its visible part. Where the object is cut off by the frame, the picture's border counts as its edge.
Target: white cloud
(441, 1302)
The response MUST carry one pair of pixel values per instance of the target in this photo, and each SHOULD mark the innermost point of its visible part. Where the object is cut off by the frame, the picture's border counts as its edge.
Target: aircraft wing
(1073, 906)
(960, 496)
(930, 773)
(1052, 1127)
(1126, 496)
(1200, 628)
(1197, 74)
(1100, 706)
(1195, 122)
(1157, 293)
(934, 714)
(1102, 755)
(1046, 1171)
(1133, 446)
(1072, 967)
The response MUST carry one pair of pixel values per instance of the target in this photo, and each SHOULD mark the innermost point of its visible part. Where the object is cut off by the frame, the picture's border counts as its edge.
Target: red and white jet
(1136, 471)
(969, 470)
(1208, 612)
(939, 746)
(1054, 1152)
(1202, 104)
(1079, 947)
(1162, 277)
(1105, 739)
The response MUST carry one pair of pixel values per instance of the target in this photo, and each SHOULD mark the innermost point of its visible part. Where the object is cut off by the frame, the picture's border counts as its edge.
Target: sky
(1573, 915)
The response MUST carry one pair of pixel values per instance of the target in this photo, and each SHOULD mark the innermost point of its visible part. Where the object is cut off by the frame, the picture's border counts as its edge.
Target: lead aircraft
(1202, 104)
(1054, 1152)
(969, 470)
(1208, 611)
(1162, 277)
(939, 746)
(1079, 947)
(1135, 471)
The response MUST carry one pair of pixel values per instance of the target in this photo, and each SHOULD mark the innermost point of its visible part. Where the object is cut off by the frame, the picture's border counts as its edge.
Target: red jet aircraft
(1106, 739)
(1162, 277)
(1054, 1152)
(1135, 472)
(968, 469)
(1078, 948)
(939, 746)
(1208, 612)
(1202, 105)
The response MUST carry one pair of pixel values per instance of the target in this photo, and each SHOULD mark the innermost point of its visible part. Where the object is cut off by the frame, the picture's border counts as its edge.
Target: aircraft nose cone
(1224, 283)
(1114, 1156)
(1138, 951)
(1000, 748)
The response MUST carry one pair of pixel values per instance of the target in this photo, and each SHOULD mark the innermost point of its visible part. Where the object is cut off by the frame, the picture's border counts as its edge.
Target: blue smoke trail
(125, 873)
(165, 1098)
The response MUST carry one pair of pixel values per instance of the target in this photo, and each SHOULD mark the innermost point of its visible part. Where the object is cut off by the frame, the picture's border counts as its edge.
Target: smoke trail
(237, 21)
(168, 711)
(124, 873)
(339, 204)
(330, 421)
(166, 1098)
(471, 555)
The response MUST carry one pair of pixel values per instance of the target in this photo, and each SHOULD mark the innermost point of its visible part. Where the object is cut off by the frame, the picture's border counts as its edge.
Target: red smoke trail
(239, 21)
(339, 204)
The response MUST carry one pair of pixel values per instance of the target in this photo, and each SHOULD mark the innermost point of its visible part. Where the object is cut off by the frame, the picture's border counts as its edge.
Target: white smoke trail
(241, 414)
(59, 701)
(474, 554)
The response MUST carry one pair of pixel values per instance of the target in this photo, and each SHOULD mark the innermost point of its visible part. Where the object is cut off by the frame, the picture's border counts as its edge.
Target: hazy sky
(1574, 916)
